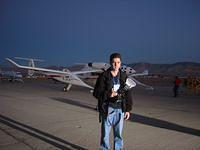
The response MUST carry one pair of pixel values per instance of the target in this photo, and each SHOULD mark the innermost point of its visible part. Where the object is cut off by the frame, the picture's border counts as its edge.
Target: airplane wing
(50, 70)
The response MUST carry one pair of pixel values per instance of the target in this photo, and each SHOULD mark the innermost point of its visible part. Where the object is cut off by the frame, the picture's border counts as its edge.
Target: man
(113, 107)
(177, 83)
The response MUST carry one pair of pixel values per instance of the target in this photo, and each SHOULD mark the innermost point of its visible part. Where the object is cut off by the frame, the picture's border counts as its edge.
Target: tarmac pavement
(37, 115)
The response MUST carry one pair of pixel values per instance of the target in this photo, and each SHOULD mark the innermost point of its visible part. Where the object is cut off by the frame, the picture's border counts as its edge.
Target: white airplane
(65, 76)
(131, 73)
(11, 76)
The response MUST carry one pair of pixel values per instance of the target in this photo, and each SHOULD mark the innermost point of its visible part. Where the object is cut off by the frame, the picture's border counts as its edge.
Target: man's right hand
(113, 93)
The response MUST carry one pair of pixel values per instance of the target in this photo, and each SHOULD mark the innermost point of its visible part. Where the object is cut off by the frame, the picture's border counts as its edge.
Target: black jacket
(103, 87)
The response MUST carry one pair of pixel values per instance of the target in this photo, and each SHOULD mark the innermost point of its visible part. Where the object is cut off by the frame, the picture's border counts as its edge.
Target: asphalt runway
(38, 115)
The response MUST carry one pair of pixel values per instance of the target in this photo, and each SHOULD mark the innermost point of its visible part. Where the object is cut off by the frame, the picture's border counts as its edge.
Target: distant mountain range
(179, 68)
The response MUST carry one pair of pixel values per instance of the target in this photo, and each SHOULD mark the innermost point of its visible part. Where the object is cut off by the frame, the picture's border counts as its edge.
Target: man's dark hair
(114, 55)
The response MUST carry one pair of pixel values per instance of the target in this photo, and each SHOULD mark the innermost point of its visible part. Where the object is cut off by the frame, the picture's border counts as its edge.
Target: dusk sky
(64, 32)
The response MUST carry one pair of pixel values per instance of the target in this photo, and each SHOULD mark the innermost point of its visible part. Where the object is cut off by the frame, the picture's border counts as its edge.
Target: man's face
(116, 63)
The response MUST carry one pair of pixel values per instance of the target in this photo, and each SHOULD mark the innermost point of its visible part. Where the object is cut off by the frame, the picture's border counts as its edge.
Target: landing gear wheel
(67, 87)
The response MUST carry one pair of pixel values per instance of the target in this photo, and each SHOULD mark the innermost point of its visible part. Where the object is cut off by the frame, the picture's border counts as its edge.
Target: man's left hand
(127, 115)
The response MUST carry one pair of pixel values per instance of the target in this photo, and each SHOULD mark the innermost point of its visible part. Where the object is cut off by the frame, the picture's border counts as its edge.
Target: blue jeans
(114, 119)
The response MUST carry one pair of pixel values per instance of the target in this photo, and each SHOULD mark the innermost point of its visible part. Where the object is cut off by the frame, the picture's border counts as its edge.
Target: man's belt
(116, 104)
